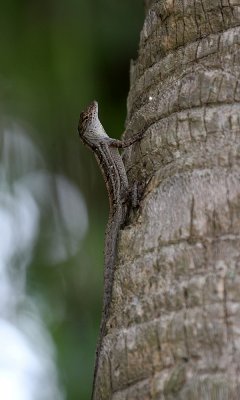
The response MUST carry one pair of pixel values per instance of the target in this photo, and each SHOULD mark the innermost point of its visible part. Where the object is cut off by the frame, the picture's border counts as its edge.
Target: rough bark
(174, 331)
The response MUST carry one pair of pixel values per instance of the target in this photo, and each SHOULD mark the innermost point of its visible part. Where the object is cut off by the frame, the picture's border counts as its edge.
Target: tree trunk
(174, 330)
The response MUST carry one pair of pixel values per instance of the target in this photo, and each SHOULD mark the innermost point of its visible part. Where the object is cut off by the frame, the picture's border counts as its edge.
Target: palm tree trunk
(174, 330)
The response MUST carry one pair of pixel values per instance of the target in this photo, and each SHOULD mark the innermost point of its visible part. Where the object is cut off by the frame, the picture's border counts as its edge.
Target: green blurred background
(56, 57)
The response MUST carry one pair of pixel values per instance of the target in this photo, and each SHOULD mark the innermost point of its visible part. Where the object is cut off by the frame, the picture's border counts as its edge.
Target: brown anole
(111, 164)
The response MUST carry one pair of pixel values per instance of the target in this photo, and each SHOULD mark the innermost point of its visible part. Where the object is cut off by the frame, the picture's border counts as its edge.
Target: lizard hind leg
(136, 193)
(132, 197)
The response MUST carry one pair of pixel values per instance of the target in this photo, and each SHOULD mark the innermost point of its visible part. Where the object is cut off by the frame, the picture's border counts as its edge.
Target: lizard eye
(83, 120)
(83, 117)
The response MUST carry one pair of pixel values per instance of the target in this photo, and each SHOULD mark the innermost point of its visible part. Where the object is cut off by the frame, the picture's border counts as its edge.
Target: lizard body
(110, 161)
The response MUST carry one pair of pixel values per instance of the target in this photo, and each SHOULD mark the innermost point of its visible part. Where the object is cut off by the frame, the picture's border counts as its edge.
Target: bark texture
(174, 330)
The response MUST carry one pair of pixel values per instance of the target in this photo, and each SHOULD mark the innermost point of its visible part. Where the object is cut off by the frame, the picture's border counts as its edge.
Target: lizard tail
(115, 221)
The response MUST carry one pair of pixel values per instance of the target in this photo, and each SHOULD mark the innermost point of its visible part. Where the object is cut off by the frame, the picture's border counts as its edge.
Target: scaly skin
(106, 152)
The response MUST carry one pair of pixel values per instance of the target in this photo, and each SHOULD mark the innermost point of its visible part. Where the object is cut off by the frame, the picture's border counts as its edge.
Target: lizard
(105, 149)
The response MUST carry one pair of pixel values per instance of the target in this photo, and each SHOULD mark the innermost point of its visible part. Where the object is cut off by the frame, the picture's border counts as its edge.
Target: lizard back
(110, 161)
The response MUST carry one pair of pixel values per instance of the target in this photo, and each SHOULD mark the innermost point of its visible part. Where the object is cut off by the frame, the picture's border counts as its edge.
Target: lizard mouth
(87, 117)
(93, 107)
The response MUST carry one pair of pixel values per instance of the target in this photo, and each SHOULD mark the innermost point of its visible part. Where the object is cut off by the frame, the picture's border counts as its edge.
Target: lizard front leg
(124, 143)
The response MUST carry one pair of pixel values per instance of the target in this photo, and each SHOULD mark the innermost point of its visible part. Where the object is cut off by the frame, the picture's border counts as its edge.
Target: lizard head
(87, 117)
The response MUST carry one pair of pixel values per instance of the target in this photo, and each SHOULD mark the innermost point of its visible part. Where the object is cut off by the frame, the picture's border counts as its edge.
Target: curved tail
(115, 221)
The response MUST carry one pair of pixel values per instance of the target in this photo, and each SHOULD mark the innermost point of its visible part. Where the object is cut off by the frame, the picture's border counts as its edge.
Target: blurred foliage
(56, 57)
